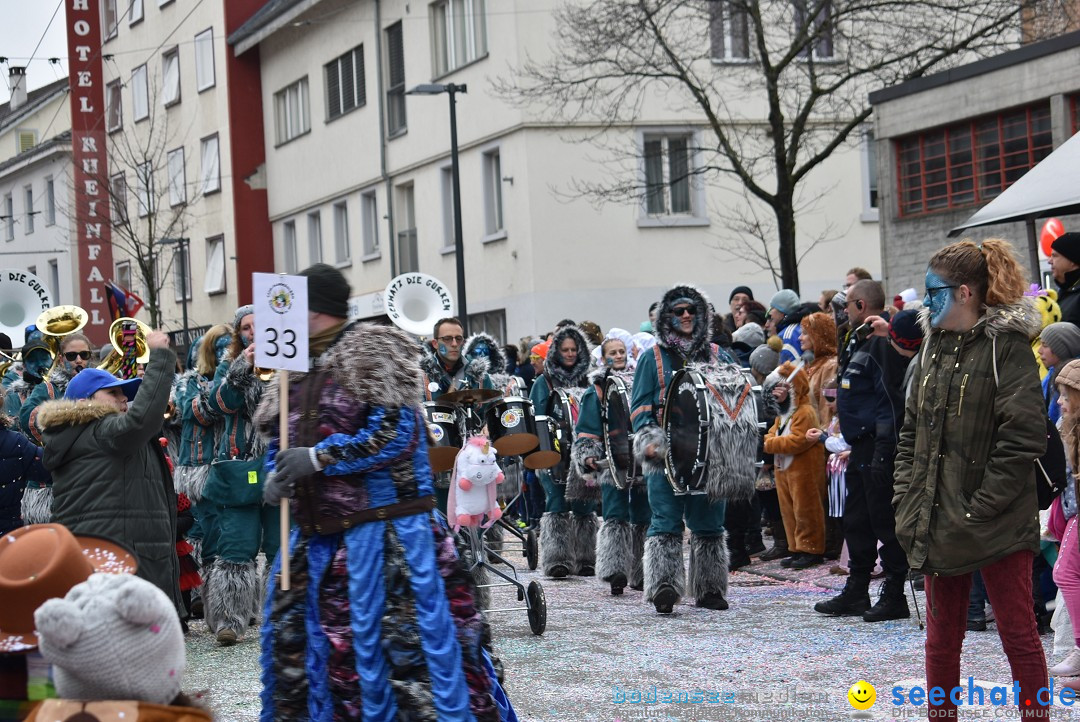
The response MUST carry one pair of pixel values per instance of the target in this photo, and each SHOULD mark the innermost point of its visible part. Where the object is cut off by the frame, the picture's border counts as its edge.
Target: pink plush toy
(472, 495)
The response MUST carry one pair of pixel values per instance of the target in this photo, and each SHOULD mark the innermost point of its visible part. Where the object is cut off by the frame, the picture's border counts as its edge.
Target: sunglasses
(534, 357)
(684, 309)
(72, 355)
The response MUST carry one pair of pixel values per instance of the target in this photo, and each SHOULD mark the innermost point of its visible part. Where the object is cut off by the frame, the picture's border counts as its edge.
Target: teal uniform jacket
(555, 494)
(197, 442)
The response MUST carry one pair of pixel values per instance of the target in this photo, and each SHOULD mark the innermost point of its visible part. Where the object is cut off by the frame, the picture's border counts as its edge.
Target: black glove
(290, 465)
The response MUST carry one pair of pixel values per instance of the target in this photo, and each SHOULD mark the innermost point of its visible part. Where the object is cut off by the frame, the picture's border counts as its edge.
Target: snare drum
(687, 419)
(444, 435)
(548, 454)
(512, 426)
(618, 439)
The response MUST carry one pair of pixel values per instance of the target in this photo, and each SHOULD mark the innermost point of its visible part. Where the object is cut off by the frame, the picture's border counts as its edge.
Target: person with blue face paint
(964, 491)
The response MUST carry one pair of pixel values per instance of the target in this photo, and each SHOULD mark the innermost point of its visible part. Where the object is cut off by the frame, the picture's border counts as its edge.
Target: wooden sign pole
(283, 436)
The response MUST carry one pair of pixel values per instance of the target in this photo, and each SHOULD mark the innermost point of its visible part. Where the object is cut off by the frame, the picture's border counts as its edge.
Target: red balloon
(1051, 230)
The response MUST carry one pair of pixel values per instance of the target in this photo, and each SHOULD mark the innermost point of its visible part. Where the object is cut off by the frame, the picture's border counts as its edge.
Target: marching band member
(620, 543)
(682, 336)
(483, 346)
(568, 527)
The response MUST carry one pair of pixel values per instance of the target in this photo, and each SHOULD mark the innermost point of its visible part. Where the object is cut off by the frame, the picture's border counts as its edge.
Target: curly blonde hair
(989, 269)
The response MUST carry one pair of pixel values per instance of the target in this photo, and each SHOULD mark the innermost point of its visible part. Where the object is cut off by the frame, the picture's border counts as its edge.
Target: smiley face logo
(862, 695)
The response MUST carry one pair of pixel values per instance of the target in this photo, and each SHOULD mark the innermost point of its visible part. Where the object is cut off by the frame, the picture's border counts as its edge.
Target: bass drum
(686, 423)
(617, 435)
(444, 435)
(512, 426)
(548, 454)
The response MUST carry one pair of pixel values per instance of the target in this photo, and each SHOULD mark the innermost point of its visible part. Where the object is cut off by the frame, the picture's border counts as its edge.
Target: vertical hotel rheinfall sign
(90, 156)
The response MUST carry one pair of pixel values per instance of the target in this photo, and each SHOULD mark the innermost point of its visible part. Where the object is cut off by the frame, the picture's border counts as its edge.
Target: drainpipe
(392, 241)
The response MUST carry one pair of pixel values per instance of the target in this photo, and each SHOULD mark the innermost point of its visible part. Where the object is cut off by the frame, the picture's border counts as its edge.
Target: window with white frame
(870, 176)
(50, 202)
(291, 111)
(369, 219)
(170, 77)
(109, 19)
(341, 233)
(9, 218)
(729, 30)
(144, 188)
(177, 177)
(123, 276)
(181, 266)
(289, 247)
(314, 237)
(205, 74)
(813, 21)
(493, 199)
(215, 265)
(407, 241)
(459, 32)
(28, 195)
(345, 85)
(135, 12)
(54, 278)
(395, 80)
(140, 94)
(446, 184)
(211, 165)
(118, 198)
(667, 161)
(114, 113)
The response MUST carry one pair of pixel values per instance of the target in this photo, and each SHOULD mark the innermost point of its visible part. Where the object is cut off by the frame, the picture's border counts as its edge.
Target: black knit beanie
(1068, 245)
(328, 291)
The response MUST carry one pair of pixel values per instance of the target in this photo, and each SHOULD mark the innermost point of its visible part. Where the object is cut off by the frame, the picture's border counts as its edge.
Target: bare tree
(777, 85)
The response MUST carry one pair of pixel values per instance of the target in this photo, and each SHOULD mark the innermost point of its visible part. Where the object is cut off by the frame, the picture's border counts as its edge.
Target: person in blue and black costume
(568, 527)
(682, 339)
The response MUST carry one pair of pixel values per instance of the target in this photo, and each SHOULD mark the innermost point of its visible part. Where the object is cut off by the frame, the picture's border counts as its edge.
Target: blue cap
(89, 381)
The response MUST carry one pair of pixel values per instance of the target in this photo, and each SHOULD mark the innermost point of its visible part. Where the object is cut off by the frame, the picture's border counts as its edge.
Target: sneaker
(559, 571)
(618, 583)
(1068, 667)
(712, 600)
(853, 601)
(665, 598)
(976, 625)
(520, 524)
(805, 561)
(226, 638)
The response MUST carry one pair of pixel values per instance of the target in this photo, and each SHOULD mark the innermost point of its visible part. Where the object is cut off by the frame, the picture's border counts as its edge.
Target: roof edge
(262, 24)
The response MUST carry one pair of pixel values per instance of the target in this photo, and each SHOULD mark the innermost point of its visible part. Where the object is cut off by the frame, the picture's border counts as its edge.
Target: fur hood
(699, 348)
(59, 378)
(597, 376)
(1021, 317)
(495, 355)
(577, 374)
(59, 413)
(432, 366)
(820, 328)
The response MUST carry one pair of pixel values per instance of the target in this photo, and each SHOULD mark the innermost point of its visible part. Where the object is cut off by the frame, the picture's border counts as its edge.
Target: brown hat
(1069, 375)
(44, 561)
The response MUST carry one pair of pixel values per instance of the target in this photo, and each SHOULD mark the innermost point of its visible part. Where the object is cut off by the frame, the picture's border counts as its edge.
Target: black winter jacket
(18, 459)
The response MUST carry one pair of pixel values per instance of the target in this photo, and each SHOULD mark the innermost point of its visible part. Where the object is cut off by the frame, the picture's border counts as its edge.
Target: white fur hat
(113, 637)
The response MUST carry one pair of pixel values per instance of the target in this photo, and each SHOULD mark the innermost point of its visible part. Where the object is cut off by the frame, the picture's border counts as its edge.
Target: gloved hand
(290, 465)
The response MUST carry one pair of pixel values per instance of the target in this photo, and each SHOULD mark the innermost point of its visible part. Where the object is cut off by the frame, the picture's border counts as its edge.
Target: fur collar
(432, 366)
(62, 412)
(699, 348)
(59, 378)
(495, 355)
(598, 376)
(576, 375)
(376, 364)
(1021, 317)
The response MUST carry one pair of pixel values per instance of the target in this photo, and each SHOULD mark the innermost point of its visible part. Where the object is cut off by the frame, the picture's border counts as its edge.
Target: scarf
(319, 342)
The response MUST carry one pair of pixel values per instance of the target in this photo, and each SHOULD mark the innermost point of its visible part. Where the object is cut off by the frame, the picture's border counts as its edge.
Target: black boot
(665, 599)
(618, 583)
(852, 602)
(779, 549)
(892, 604)
(834, 537)
(738, 560)
(754, 545)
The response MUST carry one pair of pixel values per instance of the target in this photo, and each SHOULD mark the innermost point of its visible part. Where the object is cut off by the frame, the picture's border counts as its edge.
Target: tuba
(415, 301)
(119, 362)
(57, 322)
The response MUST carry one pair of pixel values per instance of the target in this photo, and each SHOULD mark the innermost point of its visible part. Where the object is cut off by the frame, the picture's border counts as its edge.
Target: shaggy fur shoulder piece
(1022, 317)
(55, 414)
(432, 367)
(586, 448)
(59, 378)
(699, 348)
(376, 364)
(239, 377)
(495, 355)
(651, 435)
(576, 375)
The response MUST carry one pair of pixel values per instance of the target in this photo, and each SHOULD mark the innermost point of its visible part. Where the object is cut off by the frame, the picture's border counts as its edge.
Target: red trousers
(1008, 585)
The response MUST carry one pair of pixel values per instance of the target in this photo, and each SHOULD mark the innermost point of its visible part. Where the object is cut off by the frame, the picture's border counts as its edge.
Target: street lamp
(459, 243)
(182, 245)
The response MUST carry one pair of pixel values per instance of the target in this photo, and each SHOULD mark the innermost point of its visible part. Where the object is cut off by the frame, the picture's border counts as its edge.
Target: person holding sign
(380, 621)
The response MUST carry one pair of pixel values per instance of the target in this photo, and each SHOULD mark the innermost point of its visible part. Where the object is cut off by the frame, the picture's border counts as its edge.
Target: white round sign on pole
(281, 321)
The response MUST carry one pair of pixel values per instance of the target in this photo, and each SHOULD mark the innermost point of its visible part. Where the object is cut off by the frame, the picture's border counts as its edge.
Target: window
(815, 34)
(170, 77)
(215, 265)
(140, 102)
(395, 83)
(181, 263)
(135, 14)
(114, 115)
(870, 176)
(109, 19)
(314, 237)
(205, 76)
(446, 178)
(25, 140)
(9, 218)
(291, 106)
(492, 323)
(32, 270)
(50, 202)
(729, 30)
(54, 279)
(341, 233)
(970, 163)
(123, 276)
(144, 189)
(118, 198)
(408, 255)
(369, 219)
(28, 195)
(177, 178)
(459, 33)
(211, 165)
(493, 200)
(667, 162)
(345, 88)
(290, 247)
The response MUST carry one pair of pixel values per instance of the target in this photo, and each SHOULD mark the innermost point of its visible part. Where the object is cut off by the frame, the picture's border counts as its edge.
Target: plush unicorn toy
(472, 495)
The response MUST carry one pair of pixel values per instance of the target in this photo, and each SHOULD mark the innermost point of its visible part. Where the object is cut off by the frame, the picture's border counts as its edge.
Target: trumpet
(56, 323)
(114, 362)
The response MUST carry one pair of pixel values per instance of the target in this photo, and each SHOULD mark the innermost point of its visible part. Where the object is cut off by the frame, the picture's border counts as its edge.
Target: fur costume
(583, 543)
(475, 371)
(708, 566)
(482, 345)
(820, 328)
(698, 348)
(664, 565)
(229, 601)
(556, 542)
(801, 485)
(36, 506)
(615, 549)
(577, 374)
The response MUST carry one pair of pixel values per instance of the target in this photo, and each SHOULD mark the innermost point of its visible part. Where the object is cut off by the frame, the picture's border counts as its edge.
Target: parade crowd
(912, 434)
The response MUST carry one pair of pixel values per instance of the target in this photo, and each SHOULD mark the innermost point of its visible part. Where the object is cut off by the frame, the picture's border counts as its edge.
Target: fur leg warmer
(708, 565)
(36, 507)
(636, 578)
(615, 549)
(556, 541)
(231, 596)
(584, 526)
(664, 565)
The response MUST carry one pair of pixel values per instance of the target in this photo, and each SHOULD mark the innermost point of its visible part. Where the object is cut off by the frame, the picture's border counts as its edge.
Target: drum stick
(283, 436)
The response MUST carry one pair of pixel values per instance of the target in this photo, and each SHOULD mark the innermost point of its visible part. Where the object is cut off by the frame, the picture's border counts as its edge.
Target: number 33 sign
(281, 321)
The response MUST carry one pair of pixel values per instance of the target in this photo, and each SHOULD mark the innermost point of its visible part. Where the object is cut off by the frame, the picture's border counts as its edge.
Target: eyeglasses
(72, 355)
(452, 339)
(684, 309)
